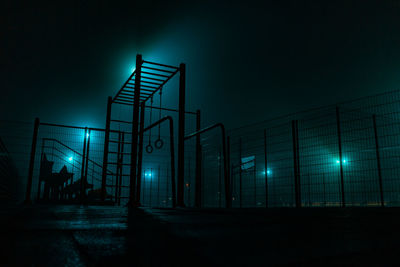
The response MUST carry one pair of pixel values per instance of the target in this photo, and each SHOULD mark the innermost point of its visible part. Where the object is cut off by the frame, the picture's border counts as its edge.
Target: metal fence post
(121, 160)
(118, 168)
(106, 144)
(219, 179)
(82, 184)
(240, 172)
(140, 153)
(266, 168)
(378, 160)
(32, 161)
(158, 185)
(255, 183)
(340, 155)
(87, 156)
(228, 162)
(198, 163)
(296, 164)
(181, 136)
(41, 158)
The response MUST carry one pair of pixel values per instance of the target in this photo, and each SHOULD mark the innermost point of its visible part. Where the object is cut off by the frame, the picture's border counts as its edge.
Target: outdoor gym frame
(148, 79)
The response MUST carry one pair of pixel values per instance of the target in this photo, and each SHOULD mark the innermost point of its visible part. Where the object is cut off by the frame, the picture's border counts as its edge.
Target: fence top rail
(76, 127)
(343, 105)
(76, 152)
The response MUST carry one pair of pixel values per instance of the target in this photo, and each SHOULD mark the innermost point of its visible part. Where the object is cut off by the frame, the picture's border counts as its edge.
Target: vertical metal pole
(228, 162)
(181, 135)
(198, 163)
(240, 172)
(228, 197)
(172, 151)
(323, 181)
(340, 155)
(266, 168)
(309, 189)
(295, 163)
(219, 179)
(188, 185)
(121, 160)
(82, 183)
(255, 183)
(41, 158)
(158, 186)
(144, 187)
(118, 168)
(106, 143)
(87, 156)
(151, 185)
(378, 160)
(140, 156)
(166, 188)
(32, 161)
(135, 127)
(298, 162)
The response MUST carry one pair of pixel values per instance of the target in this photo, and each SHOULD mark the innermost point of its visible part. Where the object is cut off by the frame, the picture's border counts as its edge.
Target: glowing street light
(70, 159)
(268, 172)
(87, 135)
(338, 161)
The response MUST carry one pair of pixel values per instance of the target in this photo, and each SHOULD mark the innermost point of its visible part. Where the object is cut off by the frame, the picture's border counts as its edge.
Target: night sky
(246, 61)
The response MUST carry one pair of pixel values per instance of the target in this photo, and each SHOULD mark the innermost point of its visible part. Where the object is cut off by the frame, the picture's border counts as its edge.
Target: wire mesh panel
(341, 155)
(213, 193)
(319, 159)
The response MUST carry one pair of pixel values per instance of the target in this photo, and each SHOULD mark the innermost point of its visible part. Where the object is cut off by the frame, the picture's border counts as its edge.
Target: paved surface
(112, 236)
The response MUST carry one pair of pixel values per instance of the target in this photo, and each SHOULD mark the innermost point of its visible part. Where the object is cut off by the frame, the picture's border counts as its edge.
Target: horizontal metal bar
(141, 89)
(150, 68)
(152, 83)
(204, 130)
(145, 86)
(123, 153)
(116, 163)
(151, 78)
(171, 109)
(116, 142)
(130, 97)
(124, 98)
(122, 103)
(156, 74)
(133, 94)
(159, 64)
(75, 127)
(121, 121)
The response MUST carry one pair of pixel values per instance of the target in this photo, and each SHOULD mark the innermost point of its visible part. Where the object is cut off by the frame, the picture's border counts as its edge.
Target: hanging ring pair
(159, 143)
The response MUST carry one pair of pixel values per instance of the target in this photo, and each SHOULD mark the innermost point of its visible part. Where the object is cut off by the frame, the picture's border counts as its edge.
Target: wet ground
(41, 235)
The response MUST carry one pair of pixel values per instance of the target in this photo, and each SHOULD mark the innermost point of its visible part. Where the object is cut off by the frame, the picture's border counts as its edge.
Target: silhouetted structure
(58, 186)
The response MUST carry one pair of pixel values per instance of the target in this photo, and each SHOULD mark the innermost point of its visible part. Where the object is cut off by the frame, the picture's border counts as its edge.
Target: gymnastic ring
(159, 143)
(149, 149)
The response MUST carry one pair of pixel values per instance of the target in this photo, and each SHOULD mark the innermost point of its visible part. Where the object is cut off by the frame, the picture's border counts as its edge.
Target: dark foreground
(113, 236)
